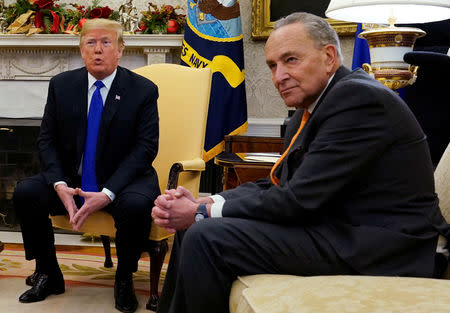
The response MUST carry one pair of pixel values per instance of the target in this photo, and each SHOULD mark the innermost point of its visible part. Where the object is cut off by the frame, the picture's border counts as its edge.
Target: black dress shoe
(30, 280)
(44, 285)
(124, 295)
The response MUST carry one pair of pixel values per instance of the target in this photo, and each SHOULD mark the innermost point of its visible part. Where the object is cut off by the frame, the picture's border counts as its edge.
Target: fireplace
(18, 159)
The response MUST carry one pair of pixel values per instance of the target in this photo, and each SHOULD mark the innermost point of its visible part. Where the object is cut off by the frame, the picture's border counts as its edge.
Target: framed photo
(265, 12)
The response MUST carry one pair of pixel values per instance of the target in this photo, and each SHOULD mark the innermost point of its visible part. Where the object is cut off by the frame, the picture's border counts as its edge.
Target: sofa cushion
(322, 294)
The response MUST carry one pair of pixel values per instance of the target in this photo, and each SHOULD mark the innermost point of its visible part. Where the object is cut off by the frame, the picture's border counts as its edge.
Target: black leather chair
(429, 96)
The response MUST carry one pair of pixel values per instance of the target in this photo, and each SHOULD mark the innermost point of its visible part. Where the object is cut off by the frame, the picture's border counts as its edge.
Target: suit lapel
(109, 110)
(340, 73)
(302, 142)
(304, 134)
(80, 111)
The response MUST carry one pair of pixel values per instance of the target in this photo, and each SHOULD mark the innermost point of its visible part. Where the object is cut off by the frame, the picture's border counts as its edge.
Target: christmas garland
(162, 20)
(46, 16)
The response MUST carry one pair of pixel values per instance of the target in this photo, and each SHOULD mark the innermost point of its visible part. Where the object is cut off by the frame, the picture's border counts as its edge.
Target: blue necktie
(88, 176)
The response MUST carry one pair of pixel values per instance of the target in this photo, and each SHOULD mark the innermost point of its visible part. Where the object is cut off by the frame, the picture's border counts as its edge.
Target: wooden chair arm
(197, 165)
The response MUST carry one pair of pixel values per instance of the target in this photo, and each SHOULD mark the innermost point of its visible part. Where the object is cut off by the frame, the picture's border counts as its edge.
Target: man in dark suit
(352, 194)
(93, 161)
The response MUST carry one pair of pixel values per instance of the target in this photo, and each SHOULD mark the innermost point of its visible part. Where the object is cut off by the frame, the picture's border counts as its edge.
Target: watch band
(201, 209)
(201, 212)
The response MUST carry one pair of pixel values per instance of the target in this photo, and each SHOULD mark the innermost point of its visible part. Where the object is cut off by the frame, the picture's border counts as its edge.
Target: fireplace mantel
(66, 40)
(28, 63)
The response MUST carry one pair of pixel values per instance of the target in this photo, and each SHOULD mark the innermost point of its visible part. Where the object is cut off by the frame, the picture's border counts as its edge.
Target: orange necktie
(305, 118)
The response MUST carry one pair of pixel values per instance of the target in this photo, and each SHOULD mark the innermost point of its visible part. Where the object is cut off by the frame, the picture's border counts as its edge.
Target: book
(269, 157)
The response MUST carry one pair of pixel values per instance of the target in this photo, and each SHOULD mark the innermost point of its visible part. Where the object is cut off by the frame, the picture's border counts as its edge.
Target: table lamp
(388, 45)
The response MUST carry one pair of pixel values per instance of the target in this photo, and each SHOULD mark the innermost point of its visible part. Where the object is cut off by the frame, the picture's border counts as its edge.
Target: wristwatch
(201, 213)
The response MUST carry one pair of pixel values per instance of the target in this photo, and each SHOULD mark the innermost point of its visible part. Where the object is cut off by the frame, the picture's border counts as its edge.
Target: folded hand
(66, 194)
(93, 201)
(174, 210)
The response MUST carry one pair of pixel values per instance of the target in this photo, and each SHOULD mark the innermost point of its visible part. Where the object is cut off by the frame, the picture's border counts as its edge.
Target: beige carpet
(76, 299)
(89, 285)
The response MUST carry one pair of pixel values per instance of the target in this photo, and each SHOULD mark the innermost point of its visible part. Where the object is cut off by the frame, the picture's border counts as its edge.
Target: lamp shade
(379, 11)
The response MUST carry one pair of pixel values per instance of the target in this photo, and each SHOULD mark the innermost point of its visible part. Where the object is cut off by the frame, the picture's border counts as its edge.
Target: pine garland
(44, 13)
(17, 9)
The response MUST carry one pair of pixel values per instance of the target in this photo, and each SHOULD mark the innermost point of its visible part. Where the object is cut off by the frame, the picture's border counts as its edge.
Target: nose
(98, 47)
(280, 74)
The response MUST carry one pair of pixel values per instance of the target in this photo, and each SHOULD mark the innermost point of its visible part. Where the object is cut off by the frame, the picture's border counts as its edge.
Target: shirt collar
(107, 81)
(313, 105)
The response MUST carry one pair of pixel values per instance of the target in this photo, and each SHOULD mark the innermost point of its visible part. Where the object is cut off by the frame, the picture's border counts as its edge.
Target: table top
(230, 159)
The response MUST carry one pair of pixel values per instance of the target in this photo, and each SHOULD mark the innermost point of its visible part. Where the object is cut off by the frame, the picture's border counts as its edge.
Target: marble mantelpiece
(28, 63)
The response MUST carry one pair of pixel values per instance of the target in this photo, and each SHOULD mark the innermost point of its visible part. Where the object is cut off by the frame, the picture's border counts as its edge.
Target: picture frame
(262, 24)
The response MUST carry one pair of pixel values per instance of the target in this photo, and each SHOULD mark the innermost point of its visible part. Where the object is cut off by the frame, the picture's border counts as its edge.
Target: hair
(102, 23)
(318, 29)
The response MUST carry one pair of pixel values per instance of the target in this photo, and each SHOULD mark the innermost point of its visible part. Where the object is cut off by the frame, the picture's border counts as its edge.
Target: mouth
(98, 61)
(286, 90)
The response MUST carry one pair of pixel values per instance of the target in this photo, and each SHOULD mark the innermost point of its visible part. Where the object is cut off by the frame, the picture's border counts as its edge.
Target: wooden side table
(253, 144)
(236, 171)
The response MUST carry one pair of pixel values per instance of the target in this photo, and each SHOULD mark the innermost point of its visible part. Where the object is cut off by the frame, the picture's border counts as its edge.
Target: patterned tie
(305, 118)
(88, 176)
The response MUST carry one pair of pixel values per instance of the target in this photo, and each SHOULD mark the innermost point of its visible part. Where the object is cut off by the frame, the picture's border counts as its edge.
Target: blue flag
(213, 38)
(361, 50)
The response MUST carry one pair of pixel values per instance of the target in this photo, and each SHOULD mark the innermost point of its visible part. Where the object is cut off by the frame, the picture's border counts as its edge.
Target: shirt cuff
(109, 193)
(216, 207)
(59, 183)
(217, 198)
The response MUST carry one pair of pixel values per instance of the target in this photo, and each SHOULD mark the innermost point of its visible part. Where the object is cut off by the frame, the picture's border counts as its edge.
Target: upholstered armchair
(295, 294)
(183, 108)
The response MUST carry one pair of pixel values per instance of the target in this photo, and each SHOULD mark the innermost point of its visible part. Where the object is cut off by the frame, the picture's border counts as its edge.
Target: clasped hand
(93, 201)
(175, 209)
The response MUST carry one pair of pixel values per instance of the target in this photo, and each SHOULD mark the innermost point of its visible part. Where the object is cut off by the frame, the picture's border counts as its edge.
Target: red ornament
(81, 22)
(95, 13)
(172, 26)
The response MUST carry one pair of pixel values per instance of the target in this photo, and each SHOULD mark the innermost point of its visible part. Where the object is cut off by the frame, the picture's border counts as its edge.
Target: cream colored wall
(262, 98)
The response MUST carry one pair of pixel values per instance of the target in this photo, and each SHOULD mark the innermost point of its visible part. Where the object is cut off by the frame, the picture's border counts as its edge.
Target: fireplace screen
(18, 159)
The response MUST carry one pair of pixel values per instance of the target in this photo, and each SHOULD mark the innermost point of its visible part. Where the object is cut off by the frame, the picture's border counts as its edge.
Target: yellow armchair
(183, 108)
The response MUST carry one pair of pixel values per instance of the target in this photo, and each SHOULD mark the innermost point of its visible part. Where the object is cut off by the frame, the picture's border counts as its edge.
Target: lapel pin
(117, 97)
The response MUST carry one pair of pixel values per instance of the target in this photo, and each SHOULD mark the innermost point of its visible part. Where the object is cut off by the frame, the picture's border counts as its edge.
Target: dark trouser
(208, 257)
(34, 200)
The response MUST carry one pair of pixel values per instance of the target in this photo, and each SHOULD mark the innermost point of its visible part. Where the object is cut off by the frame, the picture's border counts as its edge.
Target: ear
(330, 57)
(81, 53)
(120, 52)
